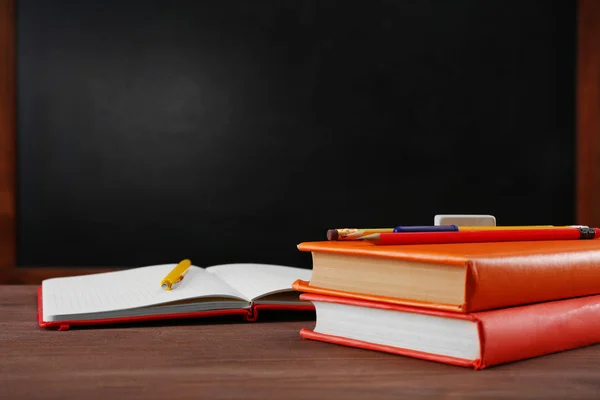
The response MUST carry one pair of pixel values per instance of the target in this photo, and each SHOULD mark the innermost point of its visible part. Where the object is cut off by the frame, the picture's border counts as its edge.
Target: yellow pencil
(176, 275)
(358, 233)
(354, 233)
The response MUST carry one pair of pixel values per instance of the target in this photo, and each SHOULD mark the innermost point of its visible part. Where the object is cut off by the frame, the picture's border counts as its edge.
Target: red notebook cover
(248, 314)
(505, 335)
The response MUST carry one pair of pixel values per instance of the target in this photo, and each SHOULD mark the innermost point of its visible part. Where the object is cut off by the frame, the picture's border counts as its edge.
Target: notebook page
(138, 287)
(255, 280)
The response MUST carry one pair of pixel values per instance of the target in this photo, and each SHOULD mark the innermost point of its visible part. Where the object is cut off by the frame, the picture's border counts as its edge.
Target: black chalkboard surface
(230, 131)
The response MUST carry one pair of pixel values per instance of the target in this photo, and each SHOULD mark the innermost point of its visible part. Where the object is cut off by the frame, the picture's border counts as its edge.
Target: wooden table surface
(226, 358)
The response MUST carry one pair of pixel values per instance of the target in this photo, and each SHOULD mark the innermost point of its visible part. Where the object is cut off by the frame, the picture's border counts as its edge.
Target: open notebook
(135, 294)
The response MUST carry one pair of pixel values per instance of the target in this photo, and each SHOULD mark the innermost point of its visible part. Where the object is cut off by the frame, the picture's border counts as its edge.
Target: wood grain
(588, 113)
(7, 136)
(228, 359)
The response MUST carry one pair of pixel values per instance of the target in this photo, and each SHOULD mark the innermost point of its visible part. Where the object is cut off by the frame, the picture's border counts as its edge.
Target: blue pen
(436, 228)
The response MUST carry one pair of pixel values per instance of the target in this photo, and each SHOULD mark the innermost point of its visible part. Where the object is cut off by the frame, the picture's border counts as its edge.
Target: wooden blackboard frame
(587, 194)
(587, 178)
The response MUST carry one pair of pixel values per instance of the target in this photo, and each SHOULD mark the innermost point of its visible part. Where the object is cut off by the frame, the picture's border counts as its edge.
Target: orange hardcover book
(462, 277)
(476, 340)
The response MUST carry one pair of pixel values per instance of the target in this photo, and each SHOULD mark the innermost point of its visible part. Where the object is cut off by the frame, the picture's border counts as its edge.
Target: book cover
(496, 275)
(486, 338)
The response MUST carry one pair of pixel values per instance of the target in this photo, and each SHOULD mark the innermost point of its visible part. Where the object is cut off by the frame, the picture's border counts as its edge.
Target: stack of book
(472, 304)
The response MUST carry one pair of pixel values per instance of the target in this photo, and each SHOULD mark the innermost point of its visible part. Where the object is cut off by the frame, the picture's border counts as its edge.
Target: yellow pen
(176, 275)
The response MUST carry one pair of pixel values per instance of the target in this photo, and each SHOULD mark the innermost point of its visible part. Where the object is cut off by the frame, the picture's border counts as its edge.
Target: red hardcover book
(135, 295)
(477, 340)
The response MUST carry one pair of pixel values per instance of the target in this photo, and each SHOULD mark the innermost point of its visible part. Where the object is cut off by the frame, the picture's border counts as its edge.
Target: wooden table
(225, 359)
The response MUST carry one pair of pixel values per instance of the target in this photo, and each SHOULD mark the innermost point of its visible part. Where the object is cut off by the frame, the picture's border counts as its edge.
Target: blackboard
(230, 131)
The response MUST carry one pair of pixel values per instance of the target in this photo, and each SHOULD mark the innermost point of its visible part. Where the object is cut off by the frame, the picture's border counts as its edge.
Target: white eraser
(464, 220)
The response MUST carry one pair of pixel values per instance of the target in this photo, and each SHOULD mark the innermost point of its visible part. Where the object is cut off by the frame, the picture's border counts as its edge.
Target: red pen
(517, 235)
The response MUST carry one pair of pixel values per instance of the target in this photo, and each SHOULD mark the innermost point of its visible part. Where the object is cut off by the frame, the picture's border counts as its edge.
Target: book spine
(524, 332)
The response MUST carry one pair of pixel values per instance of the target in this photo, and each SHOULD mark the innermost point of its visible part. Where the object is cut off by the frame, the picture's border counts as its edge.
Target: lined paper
(138, 287)
(256, 280)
